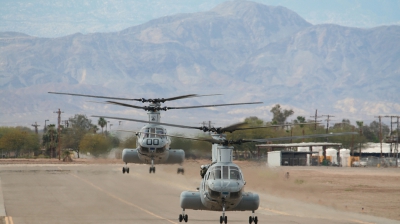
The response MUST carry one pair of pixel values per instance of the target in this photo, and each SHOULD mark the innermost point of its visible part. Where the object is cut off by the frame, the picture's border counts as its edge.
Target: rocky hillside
(245, 50)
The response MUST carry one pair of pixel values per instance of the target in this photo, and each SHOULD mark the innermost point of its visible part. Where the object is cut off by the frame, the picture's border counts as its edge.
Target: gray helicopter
(153, 145)
(222, 185)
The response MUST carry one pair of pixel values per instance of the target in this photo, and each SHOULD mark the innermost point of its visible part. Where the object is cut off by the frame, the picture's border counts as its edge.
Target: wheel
(150, 170)
(221, 219)
(255, 220)
(127, 170)
(180, 217)
(123, 169)
(178, 171)
(250, 219)
(226, 219)
(186, 218)
(154, 170)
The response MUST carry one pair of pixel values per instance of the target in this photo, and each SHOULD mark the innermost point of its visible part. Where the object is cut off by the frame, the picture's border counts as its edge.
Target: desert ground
(369, 191)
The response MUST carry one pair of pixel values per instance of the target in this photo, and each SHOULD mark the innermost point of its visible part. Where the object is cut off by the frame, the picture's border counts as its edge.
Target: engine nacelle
(192, 200)
(250, 202)
(175, 156)
(130, 156)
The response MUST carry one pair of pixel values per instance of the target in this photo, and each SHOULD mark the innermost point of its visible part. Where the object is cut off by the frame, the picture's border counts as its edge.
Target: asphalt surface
(79, 193)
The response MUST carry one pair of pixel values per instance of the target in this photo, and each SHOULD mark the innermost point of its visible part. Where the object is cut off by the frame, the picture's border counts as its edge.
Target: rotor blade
(272, 126)
(177, 136)
(213, 105)
(126, 105)
(94, 96)
(150, 122)
(232, 127)
(300, 137)
(187, 96)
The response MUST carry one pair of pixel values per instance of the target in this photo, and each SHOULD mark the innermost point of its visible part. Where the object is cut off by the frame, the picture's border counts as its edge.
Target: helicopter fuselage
(222, 187)
(153, 147)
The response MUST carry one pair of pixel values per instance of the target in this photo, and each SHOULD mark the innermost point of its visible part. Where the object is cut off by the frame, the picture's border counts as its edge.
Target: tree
(129, 142)
(102, 122)
(18, 140)
(300, 120)
(50, 140)
(79, 126)
(95, 144)
(279, 115)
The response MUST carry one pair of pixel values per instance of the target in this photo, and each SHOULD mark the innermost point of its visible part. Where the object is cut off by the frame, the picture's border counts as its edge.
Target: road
(100, 193)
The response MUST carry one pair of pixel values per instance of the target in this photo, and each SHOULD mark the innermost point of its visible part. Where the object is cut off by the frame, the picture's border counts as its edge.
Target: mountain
(245, 50)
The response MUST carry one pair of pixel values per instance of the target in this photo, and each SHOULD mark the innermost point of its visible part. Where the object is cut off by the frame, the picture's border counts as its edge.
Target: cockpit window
(145, 133)
(160, 133)
(216, 173)
(234, 175)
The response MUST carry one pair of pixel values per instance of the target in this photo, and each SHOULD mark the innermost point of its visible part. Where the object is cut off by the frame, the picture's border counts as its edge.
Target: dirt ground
(373, 191)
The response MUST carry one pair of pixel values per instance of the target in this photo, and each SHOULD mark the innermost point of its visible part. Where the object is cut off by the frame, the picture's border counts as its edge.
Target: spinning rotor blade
(300, 137)
(94, 96)
(126, 105)
(150, 122)
(213, 105)
(143, 100)
(185, 96)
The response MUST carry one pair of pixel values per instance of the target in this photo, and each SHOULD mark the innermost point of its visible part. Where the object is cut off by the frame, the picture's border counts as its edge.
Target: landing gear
(180, 170)
(183, 216)
(253, 218)
(223, 218)
(125, 169)
(152, 168)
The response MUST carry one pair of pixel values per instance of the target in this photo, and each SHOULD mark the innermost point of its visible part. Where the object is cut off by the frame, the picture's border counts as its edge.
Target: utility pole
(315, 119)
(380, 131)
(45, 126)
(327, 121)
(59, 132)
(36, 127)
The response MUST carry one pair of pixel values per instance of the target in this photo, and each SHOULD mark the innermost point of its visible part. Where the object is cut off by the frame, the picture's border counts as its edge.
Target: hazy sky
(60, 17)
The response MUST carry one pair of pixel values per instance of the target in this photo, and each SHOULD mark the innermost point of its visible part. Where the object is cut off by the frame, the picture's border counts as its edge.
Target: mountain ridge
(246, 50)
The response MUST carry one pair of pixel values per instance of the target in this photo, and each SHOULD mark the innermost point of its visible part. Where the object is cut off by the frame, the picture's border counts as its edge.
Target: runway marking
(122, 200)
(9, 220)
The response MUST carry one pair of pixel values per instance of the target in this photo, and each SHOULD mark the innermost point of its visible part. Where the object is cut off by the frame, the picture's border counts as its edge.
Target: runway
(100, 193)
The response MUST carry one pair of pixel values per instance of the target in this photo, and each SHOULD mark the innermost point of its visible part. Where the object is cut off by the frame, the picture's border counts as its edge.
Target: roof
(302, 144)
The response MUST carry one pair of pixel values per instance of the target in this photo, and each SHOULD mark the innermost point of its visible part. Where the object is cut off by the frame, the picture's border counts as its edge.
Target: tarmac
(100, 193)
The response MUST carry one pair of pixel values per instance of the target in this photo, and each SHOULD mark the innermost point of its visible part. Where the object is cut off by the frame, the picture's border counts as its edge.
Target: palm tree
(102, 122)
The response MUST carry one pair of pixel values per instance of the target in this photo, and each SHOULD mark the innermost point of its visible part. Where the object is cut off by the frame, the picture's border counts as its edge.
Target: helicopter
(153, 146)
(222, 185)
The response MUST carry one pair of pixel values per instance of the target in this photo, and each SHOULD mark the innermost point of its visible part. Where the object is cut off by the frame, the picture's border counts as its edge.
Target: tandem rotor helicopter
(153, 145)
(222, 185)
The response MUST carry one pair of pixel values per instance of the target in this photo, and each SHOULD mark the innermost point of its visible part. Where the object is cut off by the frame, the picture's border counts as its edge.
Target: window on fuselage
(145, 133)
(225, 173)
(234, 173)
(152, 132)
(217, 172)
(160, 133)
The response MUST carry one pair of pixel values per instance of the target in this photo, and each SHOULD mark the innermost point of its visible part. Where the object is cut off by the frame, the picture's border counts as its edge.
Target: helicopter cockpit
(224, 172)
(152, 133)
